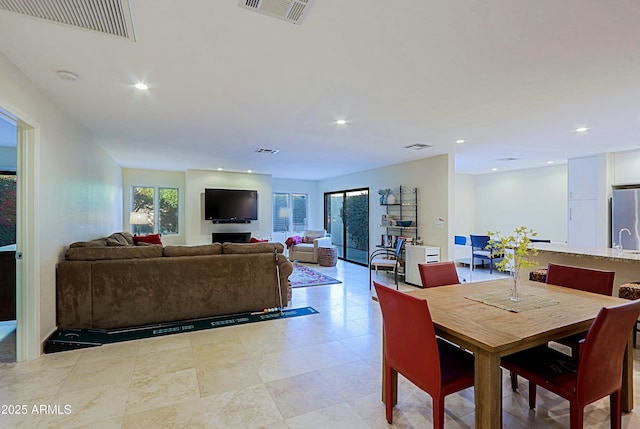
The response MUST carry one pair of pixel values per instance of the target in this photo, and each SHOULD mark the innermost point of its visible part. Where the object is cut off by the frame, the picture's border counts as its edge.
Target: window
(7, 208)
(289, 212)
(156, 203)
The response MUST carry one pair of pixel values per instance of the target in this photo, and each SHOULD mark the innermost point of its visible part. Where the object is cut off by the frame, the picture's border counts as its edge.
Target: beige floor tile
(302, 394)
(88, 406)
(124, 350)
(112, 371)
(217, 377)
(166, 389)
(183, 415)
(283, 364)
(164, 343)
(353, 379)
(227, 350)
(339, 416)
(326, 355)
(247, 408)
(154, 364)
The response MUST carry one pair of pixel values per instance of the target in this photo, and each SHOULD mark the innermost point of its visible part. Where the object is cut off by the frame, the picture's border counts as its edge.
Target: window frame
(155, 212)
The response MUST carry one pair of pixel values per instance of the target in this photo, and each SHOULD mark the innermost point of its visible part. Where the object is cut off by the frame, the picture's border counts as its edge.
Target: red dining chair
(412, 350)
(587, 279)
(438, 274)
(596, 374)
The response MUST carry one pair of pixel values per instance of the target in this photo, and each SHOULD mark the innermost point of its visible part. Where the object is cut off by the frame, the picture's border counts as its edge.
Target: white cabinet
(583, 221)
(415, 255)
(583, 178)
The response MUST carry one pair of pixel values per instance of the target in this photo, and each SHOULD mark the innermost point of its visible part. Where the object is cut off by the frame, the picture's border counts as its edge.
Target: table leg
(488, 390)
(627, 376)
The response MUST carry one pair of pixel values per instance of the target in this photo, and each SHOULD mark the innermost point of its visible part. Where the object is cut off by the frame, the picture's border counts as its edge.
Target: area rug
(304, 276)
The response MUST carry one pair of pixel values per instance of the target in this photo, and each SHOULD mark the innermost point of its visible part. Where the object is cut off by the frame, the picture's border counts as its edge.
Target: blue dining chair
(479, 250)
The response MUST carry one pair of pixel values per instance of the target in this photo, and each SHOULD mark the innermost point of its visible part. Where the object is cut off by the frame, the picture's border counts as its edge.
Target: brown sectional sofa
(123, 285)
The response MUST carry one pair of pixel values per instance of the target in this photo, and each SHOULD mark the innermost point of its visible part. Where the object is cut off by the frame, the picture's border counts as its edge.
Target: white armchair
(307, 251)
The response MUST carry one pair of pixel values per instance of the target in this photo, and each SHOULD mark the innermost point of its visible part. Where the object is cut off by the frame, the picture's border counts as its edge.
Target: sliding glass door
(346, 215)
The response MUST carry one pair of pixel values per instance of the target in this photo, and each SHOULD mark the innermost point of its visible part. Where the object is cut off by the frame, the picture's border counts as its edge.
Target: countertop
(606, 253)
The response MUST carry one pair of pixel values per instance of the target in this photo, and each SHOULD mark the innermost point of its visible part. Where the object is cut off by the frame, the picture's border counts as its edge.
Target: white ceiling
(513, 78)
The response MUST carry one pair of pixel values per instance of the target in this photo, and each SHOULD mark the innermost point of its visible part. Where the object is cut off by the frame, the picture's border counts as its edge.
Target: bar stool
(539, 275)
(631, 291)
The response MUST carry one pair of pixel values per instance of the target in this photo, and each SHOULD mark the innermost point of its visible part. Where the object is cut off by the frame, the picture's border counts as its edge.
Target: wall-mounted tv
(230, 205)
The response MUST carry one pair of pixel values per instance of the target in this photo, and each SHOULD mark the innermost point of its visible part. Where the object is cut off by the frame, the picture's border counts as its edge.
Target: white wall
(535, 198)
(79, 186)
(198, 230)
(155, 178)
(429, 175)
(465, 205)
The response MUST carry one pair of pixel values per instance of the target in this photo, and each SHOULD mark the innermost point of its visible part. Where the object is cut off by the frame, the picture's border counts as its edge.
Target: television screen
(230, 204)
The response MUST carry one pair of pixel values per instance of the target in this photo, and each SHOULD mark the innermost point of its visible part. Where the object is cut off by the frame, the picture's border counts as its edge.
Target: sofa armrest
(320, 242)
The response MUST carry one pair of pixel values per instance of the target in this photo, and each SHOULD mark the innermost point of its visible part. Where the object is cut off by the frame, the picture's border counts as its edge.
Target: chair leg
(514, 381)
(438, 412)
(615, 401)
(532, 395)
(388, 392)
(576, 416)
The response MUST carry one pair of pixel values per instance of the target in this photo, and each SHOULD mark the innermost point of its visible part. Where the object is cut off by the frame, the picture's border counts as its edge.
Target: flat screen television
(230, 205)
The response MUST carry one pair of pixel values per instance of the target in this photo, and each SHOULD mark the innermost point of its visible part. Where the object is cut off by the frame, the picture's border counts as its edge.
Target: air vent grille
(418, 146)
(292, 11)
(111, 17)
(267, 151)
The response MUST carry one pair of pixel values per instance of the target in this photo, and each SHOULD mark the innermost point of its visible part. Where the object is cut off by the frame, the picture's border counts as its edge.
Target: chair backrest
(399, 244)
(479, 241)
(460, 239)
(586, 279)
(410, 344)
(438, 274)
(601, 356)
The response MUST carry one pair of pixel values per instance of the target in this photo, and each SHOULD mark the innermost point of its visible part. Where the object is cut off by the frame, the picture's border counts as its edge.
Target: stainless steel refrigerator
(625, 218)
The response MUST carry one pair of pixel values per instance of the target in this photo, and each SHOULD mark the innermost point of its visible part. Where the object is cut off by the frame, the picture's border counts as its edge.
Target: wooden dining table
(490, 331)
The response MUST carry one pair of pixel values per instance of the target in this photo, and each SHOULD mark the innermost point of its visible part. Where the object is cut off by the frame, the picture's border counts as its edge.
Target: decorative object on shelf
(419, 241)
(384, 193)
(391, 199)
(404, 223)
(517, 253)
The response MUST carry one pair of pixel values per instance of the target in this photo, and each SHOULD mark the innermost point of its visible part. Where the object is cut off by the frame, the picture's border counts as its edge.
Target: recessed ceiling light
(549, 162)
(459, 141)
(582, 129)
(249, 171)
(219, 168)
(494, 169)
(341, 122)
(67, 76)
(141, 86)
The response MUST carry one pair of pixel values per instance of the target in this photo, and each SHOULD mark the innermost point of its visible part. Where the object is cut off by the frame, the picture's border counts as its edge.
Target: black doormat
(71, 339)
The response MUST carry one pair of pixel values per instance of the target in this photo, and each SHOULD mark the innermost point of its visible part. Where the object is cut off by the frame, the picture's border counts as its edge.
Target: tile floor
(319, 371)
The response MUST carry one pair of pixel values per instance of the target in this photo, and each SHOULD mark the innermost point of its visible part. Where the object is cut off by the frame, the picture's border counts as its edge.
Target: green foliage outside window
(7, 209)
(356, 219)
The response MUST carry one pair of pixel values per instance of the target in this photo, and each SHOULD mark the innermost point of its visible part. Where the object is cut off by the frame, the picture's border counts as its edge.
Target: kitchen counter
(626, 263)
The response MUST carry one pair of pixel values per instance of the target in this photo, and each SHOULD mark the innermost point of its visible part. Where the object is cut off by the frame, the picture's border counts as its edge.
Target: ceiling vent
(292, 11)
(111, 17)
(508, 159)
(268, 151)
(418, 146)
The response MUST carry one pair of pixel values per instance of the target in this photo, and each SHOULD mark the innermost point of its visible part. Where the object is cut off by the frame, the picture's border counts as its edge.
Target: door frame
(344, 193)
(28, 344)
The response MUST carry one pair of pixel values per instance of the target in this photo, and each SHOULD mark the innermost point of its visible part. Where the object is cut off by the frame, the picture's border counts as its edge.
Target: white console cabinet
(415, 255)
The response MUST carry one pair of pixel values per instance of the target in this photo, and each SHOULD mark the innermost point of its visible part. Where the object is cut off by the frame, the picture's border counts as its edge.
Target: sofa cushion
(206, 249)
(149, 238)
(251, 247)
(124, 237)
(311, 235)
(112, 252)
(98, 242)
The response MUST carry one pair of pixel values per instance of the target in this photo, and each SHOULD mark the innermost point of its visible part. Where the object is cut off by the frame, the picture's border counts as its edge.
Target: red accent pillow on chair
(151, 239)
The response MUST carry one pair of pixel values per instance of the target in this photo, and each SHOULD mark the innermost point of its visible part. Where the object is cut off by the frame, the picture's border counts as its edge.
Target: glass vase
(515, 293)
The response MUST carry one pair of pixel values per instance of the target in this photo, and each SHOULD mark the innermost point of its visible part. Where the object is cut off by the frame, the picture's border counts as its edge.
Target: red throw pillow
(151, 239)
(256, 240)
